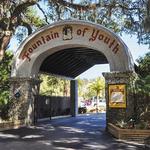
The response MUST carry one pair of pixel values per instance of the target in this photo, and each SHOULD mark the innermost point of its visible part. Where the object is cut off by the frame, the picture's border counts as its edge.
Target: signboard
(117, 96)
(67, 33)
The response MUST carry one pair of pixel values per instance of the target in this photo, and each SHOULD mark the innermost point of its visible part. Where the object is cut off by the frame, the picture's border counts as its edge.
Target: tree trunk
(3, 45)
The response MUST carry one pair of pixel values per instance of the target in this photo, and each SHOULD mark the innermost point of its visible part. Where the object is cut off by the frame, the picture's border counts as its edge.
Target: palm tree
(98, 86)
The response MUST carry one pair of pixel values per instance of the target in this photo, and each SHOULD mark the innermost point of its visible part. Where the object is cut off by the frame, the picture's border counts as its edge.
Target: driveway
(85, 132)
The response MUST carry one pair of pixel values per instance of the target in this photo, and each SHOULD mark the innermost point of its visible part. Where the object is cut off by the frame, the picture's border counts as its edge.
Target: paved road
(85, 132)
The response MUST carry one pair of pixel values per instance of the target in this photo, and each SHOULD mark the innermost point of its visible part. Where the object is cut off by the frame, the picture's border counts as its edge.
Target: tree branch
(42, 12)
(23, 6)
(4, 43)
(25, 24)
(91, 6)
(69, 4)
(148, 8)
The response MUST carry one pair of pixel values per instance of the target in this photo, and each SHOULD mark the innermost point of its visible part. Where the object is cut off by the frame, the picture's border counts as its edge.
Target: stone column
(74, 98)
(22, 107)
(114, 115)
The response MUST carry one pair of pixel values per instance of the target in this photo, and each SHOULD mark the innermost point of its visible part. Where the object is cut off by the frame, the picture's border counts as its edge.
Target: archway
(68, 48)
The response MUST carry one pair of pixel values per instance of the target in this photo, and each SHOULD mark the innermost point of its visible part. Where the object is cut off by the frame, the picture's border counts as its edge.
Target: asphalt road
(85, 132)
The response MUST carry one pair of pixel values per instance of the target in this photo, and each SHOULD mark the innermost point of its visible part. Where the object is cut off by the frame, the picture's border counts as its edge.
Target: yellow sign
(117, 96)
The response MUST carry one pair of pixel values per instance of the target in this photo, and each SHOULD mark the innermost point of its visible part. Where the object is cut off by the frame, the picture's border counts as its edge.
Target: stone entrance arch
(63, 38)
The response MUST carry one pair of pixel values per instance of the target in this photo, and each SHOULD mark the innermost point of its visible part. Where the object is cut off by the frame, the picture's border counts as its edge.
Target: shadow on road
(85, 132)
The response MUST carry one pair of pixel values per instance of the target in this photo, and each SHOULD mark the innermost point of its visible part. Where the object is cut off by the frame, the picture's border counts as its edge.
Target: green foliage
(54, 86)
(98, 86)
(118, 15)
(83, 88)
(144, 65)
(142, 91)
(32, 18)
(5, 69)
(143, 82)
(91, 88)
(121, 124)
(143, 125)
(131, 125)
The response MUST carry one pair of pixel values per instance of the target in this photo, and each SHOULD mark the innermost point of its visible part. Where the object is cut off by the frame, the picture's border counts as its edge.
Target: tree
(83, 90)
(54, 86)
(14, 14)
(143, 82)
(98, 86)
(144, 65)
(147, 18)
(117, 15)
(142, 89)
(5, 69)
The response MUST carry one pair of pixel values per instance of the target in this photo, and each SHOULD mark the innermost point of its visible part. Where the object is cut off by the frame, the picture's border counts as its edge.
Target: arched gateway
(68, 48)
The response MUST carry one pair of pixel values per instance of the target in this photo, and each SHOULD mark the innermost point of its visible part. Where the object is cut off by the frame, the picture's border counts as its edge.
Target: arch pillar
(74, 97)
(22, 106)
(115, 115)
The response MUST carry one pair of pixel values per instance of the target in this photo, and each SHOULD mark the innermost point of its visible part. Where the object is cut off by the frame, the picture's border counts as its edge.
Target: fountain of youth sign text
(69, 33)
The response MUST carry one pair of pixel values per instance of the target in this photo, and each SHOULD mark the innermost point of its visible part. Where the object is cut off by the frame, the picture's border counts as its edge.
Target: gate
(51, 106)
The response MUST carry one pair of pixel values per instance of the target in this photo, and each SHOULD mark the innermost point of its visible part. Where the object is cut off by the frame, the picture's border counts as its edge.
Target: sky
(135, 49)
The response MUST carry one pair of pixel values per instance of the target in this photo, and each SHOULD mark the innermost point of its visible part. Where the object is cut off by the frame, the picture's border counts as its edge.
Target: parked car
(82, 110)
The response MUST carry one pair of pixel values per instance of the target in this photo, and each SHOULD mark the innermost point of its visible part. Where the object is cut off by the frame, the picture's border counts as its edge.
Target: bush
(5, 69)
(4, 105)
